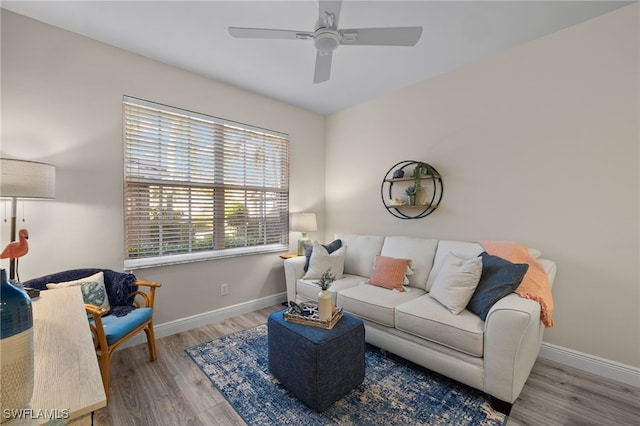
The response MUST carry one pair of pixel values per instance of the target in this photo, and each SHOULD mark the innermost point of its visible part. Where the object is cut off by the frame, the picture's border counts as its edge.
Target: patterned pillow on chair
(93, 289)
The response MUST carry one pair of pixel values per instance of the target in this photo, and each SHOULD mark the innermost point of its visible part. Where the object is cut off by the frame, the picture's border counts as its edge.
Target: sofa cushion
(373, 303)
(460, 248)
(499, 278)
(321, 261)
(389, 272)
(421, 251)
(362, 251)
(307, 290)
(457, 281)
(427, 318)
(115, 328)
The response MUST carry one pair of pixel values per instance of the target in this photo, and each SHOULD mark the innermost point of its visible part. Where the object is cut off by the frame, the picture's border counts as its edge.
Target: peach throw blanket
(535, 284)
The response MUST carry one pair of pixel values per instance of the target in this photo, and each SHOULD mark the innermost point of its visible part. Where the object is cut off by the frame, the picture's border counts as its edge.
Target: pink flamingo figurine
(17, 249)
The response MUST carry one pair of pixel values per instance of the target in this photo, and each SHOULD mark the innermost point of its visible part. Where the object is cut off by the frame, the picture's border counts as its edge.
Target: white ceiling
(193, 35)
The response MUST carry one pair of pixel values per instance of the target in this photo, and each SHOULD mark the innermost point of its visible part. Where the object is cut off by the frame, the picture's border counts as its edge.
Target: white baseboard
(580, 360)
(602, 367)
(187, 323)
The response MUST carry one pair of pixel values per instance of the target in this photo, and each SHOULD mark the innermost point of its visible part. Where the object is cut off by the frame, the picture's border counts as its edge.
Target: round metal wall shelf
(399, 178)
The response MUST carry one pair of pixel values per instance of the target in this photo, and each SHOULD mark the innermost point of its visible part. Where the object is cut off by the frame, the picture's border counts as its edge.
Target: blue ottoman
(316, 365)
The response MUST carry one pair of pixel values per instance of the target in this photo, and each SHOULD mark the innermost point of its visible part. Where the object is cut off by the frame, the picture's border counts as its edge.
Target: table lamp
(25, 180)
(303, 222)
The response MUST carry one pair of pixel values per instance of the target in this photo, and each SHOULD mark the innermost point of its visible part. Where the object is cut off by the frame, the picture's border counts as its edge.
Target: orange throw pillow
(389, 272)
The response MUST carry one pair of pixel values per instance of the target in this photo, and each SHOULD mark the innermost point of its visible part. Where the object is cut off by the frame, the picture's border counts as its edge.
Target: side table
(67, 381)
(289, 255)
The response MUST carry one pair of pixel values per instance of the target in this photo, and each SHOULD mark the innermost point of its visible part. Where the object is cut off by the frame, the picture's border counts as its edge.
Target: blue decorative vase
(16, 349)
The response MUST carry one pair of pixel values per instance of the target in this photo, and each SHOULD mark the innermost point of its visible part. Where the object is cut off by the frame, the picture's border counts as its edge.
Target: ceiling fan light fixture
(326, 40)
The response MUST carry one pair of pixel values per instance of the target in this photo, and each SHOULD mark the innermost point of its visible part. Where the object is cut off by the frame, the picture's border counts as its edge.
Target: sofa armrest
(550, 268)
(513, 335)
(293, 271)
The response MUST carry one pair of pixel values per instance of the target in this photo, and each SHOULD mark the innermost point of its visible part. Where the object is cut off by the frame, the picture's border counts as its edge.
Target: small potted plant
(326, 279)
(325, 310)
(411, 194)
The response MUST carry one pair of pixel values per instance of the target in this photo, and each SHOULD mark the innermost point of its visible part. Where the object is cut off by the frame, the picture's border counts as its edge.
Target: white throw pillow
(321, 260)
(93, 289)
(456, 282)
(461, 248)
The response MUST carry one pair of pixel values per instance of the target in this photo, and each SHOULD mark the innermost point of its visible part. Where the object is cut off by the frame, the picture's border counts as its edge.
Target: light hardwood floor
(173, 391)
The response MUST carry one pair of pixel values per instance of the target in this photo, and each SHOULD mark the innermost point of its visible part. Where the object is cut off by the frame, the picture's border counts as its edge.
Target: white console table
(67, 378)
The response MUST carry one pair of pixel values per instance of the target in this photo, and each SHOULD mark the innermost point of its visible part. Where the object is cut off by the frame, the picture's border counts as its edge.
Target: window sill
(151, 262)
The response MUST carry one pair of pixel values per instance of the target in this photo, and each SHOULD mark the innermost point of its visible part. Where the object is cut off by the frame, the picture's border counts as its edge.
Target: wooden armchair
(126, 317)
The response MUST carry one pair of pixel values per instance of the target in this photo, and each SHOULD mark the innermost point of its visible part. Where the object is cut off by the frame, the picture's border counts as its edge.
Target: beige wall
(62, 104)
(539, 145)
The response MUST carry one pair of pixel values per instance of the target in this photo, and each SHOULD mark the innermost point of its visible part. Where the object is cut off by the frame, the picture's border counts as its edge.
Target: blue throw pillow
(499, 278)
(331, 247)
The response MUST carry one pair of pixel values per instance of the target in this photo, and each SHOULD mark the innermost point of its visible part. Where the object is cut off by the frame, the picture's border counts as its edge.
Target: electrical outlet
(224, 289)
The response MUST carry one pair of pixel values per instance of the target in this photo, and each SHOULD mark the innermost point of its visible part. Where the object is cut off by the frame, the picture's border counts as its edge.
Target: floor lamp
(303, 222)
(25, 180)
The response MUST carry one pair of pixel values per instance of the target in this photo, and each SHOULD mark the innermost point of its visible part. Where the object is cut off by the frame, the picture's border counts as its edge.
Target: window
(199, 187)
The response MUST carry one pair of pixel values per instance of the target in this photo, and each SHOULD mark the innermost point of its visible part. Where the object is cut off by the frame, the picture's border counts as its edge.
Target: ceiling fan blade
(323, 66)
(240, 32)
(393, 36)
(331, 7)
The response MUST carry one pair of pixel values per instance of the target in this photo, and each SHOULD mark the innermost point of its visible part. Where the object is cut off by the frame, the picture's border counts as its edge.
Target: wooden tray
(313, 318)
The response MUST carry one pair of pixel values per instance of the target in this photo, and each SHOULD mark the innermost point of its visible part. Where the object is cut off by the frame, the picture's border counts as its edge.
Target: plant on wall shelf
(411, 194)
(412, 190)
(421, 170)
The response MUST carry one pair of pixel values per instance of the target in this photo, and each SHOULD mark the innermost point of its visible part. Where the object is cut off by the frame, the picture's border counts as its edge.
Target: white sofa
(494, 356)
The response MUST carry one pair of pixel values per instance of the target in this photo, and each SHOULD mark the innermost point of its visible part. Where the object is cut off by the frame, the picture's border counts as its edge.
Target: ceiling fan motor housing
(326, 39)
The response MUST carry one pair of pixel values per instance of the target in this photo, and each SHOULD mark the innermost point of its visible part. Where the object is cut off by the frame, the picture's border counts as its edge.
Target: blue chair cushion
(116, 328)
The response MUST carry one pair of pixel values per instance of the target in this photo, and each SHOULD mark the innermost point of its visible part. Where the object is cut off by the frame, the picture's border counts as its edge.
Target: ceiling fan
(327, 37)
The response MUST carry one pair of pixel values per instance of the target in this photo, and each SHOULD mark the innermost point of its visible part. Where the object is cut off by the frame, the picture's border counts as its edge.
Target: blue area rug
(394, 392)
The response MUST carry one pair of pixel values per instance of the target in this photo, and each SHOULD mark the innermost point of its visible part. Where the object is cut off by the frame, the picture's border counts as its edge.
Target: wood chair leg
(151, 342)
(105, 362)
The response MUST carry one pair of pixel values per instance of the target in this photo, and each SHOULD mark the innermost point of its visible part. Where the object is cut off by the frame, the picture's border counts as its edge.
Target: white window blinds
(198, 187)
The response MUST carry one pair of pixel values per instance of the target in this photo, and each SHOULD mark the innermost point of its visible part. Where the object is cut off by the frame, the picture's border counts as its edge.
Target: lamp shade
(27, 179)
(303, 222)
